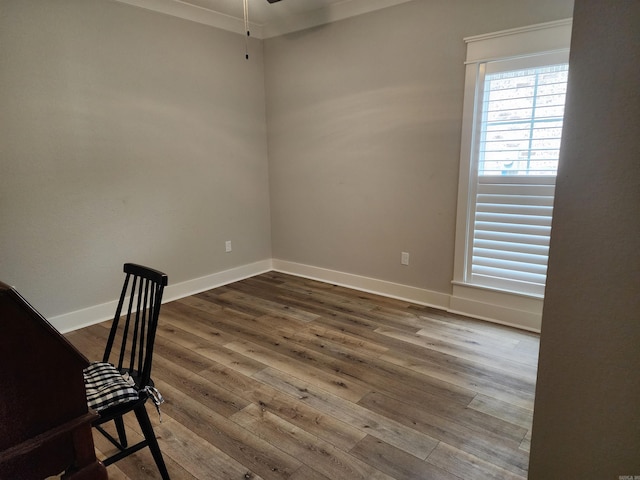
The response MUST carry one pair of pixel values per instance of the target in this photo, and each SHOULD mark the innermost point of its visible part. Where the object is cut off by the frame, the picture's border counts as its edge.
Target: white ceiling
(261, 11)
(267, 20)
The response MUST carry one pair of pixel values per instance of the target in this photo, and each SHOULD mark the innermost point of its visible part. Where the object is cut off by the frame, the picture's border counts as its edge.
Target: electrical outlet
(404, 258)
(227, 246)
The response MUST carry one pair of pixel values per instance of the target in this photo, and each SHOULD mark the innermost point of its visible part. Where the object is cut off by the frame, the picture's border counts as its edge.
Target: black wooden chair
(116, 387)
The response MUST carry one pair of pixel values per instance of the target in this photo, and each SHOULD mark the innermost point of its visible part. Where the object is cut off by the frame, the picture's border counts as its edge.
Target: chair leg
(150, 436)
(122, 434)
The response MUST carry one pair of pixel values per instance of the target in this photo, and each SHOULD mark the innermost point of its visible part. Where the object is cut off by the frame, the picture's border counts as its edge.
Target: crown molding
(292, 23)
(333, 13)
(197, 14)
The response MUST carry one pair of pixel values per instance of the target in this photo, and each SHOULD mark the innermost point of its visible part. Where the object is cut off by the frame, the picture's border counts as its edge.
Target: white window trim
(517, 309)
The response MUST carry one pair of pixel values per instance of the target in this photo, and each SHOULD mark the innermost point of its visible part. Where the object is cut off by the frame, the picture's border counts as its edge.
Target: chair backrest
(134, 326)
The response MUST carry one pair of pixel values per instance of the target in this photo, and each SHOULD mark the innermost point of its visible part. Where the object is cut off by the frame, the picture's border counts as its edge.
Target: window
(514, 108)
(519, 129)
(522, 114)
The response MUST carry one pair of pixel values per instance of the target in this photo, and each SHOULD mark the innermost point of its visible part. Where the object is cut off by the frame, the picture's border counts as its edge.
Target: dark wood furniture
(45, 424)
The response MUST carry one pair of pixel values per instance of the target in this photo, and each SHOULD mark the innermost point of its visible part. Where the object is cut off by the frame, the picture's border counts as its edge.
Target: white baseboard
(505, 308)
(99, 313)
(365, 284)
(67, 322)
(197, 285)
(497, 307)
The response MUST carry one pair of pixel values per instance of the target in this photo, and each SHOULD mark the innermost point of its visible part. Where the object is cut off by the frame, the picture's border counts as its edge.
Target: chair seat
(107, 387)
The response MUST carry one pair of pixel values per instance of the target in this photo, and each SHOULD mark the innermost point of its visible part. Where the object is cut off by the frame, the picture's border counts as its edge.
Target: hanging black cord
(246, 28)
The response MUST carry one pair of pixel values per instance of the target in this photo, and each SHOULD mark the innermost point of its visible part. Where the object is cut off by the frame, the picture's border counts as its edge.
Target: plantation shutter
(511, 227)
(519, 126)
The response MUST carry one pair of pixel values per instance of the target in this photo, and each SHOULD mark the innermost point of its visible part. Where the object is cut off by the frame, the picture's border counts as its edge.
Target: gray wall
(130, 135)
(125, 135)
(364, 121)
(587, 410)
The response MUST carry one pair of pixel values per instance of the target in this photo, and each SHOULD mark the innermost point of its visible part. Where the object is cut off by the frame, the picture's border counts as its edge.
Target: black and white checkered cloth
(106, 387)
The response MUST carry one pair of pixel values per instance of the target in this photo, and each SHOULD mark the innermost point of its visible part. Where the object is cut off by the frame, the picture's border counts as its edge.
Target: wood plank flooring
(278, 377)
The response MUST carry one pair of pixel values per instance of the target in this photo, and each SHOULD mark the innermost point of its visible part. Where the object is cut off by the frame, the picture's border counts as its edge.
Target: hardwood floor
(279, 377)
